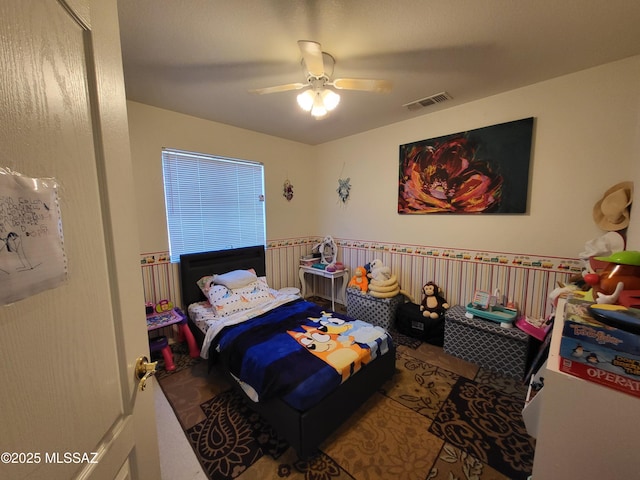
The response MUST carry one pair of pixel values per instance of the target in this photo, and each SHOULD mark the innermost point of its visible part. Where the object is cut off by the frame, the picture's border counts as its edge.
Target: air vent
(428, 101)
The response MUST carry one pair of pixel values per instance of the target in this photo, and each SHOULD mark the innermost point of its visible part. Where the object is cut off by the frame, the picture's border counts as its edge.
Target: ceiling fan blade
(312, 56)
(362, 84)
(279, 88)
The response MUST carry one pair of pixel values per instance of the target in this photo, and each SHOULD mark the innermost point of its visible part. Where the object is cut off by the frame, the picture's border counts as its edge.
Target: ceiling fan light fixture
(318, 109)
(318, 65)
(330, 99)
(305, 100)
(318, 101)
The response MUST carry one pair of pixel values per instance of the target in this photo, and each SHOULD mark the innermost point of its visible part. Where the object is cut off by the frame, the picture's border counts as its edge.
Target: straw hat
(611, 212)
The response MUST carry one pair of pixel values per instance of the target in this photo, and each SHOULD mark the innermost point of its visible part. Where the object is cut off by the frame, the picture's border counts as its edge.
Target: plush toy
(433, 304)
(383, 283)
(384, 288)
(360, 280)
(379, 271)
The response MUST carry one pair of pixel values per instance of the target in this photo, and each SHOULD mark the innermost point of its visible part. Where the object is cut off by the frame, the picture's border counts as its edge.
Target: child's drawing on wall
(13, 244)
(32, 257)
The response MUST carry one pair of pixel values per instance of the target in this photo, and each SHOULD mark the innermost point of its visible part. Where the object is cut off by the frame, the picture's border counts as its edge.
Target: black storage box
(410, 321)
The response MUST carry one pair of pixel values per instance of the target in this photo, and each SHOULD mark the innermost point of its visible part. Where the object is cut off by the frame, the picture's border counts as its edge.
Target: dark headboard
(194, 266)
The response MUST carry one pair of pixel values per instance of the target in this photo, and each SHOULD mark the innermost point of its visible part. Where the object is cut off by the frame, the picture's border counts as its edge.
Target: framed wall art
(485, 170)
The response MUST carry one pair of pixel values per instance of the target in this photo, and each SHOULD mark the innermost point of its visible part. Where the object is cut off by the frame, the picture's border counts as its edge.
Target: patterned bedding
(205, 318)
(295, 350)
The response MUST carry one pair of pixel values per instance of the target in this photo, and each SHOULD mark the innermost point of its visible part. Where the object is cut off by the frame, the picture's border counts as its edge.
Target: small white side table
(343, 275)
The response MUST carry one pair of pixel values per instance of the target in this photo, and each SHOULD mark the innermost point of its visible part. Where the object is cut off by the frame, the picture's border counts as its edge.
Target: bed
(302, 421)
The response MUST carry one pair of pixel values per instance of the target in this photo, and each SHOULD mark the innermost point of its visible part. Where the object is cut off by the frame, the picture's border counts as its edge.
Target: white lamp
(331, 99)
(318, 109)
(305, 100)
(318, 101)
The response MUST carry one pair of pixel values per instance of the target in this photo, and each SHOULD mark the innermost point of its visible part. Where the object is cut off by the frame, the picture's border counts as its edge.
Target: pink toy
(162, 344)
(170, 317)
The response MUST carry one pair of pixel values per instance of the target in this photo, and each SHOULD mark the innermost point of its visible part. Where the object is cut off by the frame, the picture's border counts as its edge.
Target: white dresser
(584, 430)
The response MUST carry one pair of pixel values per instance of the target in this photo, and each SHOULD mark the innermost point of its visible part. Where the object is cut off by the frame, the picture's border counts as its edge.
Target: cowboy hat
(611, 212)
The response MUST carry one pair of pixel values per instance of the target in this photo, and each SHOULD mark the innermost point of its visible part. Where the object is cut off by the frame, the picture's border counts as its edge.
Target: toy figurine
(433, 304)
(360, 280)
(622, 272)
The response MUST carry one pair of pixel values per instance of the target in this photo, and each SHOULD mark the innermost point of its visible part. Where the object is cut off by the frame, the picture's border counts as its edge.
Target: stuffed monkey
(433, 304)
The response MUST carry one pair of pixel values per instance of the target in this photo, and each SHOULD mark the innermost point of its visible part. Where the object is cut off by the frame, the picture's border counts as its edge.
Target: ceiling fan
(317, 98)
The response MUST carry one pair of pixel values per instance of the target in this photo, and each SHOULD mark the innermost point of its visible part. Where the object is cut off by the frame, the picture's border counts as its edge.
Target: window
(212, 203)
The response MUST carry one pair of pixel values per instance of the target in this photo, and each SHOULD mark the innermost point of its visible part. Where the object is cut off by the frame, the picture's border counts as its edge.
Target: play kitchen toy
(487, 306)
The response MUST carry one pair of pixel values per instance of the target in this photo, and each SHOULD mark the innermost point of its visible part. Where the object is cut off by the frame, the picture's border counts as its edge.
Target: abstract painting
(485, 170)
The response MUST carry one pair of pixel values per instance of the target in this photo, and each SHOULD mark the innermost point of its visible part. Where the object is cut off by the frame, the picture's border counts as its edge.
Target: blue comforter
(298, 352)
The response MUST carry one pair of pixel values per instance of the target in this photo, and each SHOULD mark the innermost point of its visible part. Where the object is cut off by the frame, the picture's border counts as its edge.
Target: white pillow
(236, 278)
(217, 293)
(205, 284)
(225, 301)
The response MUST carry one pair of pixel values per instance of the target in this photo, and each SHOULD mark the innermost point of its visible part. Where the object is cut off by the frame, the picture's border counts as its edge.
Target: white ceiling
(200, 57)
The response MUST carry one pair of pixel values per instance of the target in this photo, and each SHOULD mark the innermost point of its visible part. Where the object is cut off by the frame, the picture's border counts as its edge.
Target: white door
(69, 403)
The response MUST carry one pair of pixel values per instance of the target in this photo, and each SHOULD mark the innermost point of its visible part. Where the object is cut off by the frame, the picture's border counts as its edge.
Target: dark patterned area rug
(427, 422)
(231, 437)
(488, 425)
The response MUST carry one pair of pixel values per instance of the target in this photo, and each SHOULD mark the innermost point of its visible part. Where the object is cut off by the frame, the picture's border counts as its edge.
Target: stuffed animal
(433, 304)
(379, 271)
(359, 280)
(384, 288)
(383, 283)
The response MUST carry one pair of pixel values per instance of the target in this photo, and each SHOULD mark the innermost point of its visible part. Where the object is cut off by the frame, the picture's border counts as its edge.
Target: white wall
(152, 128)
(585, 140)
(633, 236)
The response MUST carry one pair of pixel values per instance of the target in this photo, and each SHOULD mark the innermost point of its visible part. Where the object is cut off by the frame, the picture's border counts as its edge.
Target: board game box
(597, 352)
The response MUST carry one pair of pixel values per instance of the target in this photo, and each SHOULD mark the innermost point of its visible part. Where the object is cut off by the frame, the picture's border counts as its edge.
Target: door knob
(144, 370)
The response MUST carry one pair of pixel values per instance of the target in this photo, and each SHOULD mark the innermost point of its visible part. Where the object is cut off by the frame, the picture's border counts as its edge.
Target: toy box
(486, 343)
(580, 324)
(374, 310)
(599, 353)
(410, 321)
(622, 383)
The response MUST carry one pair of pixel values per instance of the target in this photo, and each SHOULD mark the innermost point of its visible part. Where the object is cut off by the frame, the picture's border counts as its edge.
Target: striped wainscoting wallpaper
(523, 279)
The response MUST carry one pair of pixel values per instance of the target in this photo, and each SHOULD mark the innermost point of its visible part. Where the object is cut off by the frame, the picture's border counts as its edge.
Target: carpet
(438, 418)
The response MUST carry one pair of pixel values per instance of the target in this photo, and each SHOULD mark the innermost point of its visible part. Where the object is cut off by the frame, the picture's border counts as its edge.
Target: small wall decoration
(32, 257)
(287, 191)
(485, 170)
(343, 189)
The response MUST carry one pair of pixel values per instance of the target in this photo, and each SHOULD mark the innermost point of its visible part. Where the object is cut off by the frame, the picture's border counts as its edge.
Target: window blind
(212, 203)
